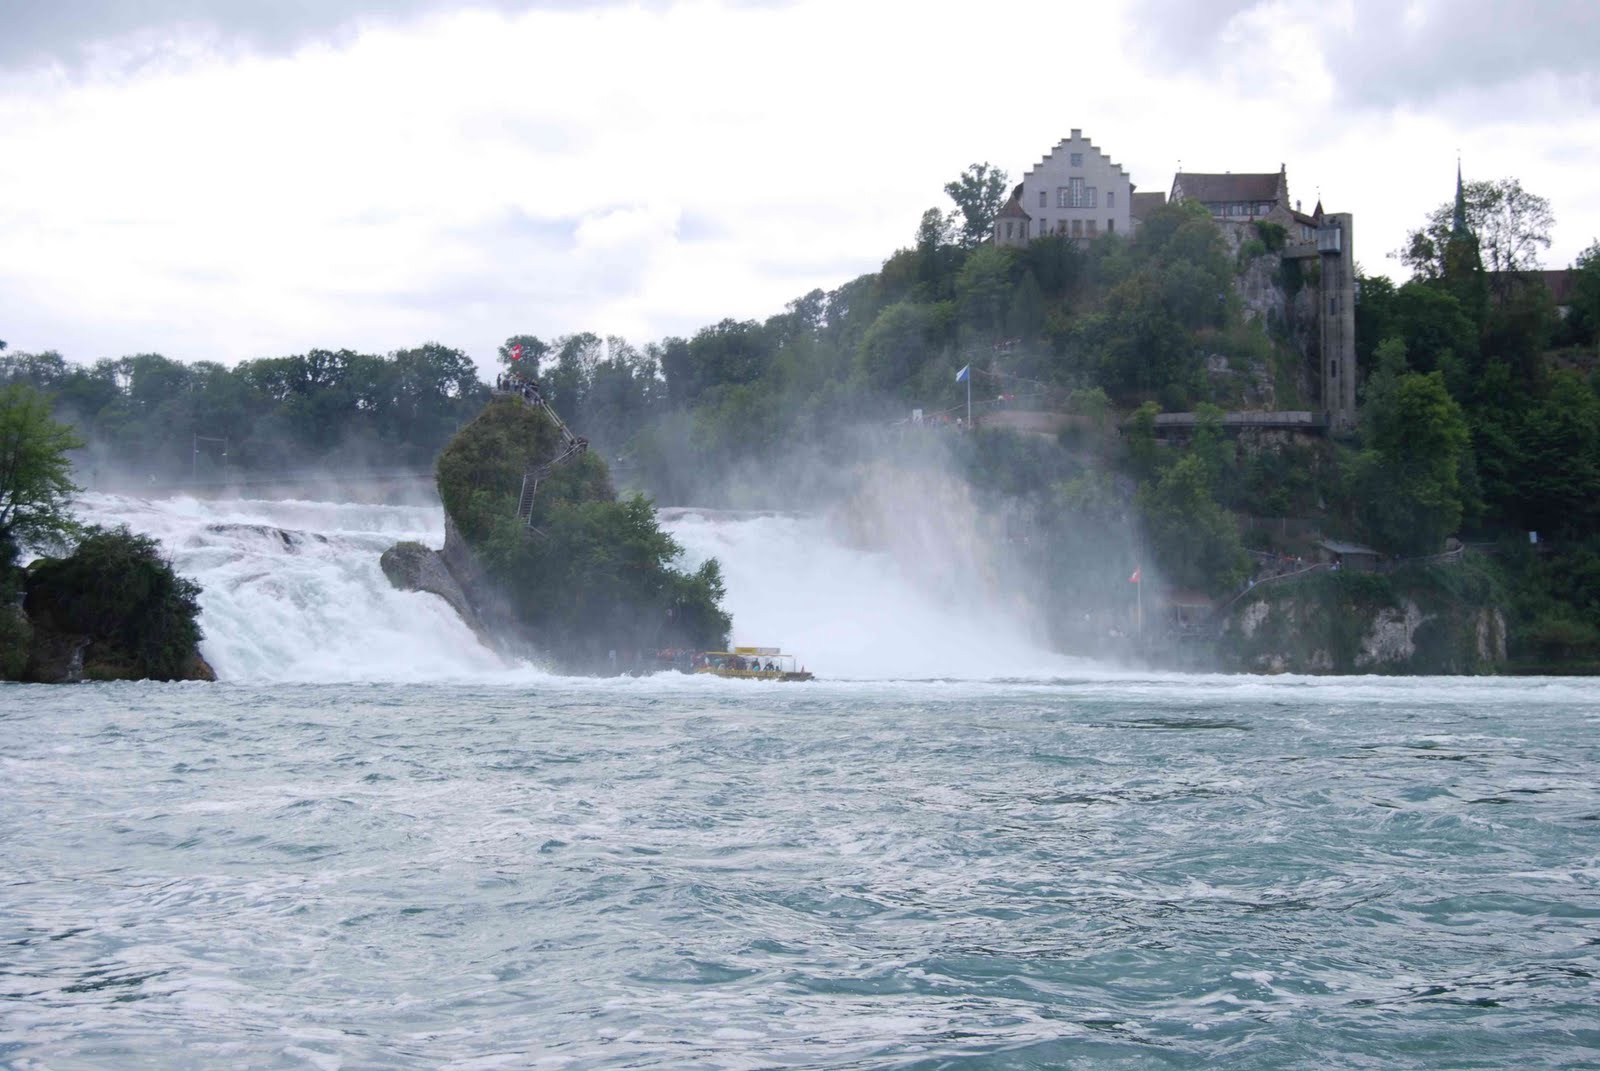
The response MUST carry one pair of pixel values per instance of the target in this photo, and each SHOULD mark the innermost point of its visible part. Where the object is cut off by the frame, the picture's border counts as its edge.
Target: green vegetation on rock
(117, 592)
(592, 575)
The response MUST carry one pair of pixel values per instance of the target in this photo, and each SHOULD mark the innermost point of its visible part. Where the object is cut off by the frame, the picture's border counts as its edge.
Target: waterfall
(292, 591)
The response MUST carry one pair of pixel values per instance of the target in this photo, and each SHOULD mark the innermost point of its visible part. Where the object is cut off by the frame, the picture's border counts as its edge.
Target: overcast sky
(222, 180)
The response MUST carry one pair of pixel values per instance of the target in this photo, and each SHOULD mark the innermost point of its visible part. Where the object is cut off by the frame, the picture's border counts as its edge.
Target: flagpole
(969, 400)
(1137, 571)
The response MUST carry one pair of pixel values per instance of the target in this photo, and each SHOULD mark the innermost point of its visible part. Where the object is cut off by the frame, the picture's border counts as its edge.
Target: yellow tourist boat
(750, 663)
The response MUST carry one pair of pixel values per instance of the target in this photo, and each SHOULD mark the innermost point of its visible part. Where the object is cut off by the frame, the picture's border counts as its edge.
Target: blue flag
(964, 374)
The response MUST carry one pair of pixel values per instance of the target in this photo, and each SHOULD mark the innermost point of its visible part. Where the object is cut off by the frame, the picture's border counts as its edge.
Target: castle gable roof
(1212, 189)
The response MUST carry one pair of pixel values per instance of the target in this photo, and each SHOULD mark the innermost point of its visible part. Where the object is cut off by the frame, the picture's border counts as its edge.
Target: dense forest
(1479, 415)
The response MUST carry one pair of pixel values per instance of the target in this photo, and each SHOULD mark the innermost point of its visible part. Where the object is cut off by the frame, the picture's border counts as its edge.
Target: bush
(598, 574)
(119, 591)
(1272, 235)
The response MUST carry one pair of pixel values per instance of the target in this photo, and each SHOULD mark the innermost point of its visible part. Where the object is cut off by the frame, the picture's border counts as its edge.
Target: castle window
(1075, 194)
(1111, 226)
(1094, 225)
(1333, 305)
(1111, 198)
(1077, 228)
(1061, 196)
(1077, 159)
(1008, 228)
(1043, 194)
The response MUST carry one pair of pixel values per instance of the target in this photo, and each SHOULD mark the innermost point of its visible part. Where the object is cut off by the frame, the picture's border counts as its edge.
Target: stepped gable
(1052, 153)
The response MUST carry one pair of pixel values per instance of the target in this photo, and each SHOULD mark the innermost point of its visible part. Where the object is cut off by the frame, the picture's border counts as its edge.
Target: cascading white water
(292, 591)
(851, 612)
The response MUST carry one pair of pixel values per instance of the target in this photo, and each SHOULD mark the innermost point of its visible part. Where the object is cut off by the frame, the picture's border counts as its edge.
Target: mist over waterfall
(292, 591)
(848, 611)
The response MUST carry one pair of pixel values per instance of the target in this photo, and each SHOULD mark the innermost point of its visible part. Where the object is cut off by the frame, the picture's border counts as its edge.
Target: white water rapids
(292, 591)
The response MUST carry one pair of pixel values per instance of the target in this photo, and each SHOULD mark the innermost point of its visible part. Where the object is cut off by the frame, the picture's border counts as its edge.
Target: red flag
(1134, 579)
(516, 352)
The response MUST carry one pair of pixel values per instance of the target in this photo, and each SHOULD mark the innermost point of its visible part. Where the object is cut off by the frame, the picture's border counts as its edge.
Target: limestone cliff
(1426, 620)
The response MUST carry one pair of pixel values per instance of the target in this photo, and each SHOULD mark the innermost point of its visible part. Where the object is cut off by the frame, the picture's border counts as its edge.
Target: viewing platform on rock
(1183, 424)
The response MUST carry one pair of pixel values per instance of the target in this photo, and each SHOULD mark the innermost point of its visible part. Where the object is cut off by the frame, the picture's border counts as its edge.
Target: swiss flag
(516, 352)
(1134, 579)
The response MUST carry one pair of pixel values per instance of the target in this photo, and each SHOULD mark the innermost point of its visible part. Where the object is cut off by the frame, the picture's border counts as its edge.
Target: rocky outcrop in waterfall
(114, 609)
(541, 558)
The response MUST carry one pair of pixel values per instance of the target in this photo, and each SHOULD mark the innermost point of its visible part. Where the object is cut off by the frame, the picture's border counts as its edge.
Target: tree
(979, 193)
(1510, 224)
(1195, 540)
(118, 589)
(35, 475)
(528, 357)
(1416, 445)
(934, 231)
(1585, 315)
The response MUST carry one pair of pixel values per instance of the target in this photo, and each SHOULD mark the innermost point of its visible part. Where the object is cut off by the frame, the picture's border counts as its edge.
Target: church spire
(1458, 225)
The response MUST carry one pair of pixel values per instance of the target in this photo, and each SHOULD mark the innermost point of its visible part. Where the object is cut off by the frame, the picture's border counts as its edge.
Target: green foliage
(899, 341)
(597, 574)
(1273, 235)
(1508, 224)
(16, 635)
(1409, 473)
(35, 476)
(1583, 322)
(979, 193)
(118, 590)
(1195, 541)
(1437, 332)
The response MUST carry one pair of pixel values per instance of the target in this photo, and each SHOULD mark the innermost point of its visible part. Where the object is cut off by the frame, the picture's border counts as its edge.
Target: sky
(229, 179)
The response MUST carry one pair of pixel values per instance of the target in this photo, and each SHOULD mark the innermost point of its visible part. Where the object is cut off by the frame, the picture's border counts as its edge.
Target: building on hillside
(1245, 199)
(1144, 204)
(1076, 191)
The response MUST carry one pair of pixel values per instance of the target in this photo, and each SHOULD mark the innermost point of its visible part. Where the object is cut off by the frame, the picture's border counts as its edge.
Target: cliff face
(1333, 623)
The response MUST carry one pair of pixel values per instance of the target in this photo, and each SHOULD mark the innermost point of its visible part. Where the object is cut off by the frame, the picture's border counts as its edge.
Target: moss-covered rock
(112, 610)
(590, 575)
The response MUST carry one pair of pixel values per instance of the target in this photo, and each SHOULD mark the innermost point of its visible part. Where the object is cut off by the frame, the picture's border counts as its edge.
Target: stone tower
(1335, 249)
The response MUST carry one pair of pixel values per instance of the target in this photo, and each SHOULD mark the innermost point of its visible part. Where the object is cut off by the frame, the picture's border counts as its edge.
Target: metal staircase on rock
(573, 445)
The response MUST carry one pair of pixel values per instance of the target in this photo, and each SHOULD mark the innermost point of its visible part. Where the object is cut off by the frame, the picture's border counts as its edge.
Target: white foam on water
(292, 591)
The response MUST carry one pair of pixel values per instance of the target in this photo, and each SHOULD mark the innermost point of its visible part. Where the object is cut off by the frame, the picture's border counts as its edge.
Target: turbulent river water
(375, 845)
